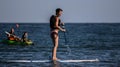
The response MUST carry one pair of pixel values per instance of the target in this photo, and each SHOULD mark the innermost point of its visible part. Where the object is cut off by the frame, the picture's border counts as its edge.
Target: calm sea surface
(84, 41)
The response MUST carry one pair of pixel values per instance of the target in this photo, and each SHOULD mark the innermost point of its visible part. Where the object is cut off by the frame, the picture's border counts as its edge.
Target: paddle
(12, 35)
(68, 48)
(63, 26)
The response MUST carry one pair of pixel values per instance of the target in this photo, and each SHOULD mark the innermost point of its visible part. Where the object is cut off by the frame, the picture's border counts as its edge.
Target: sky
(79, 11)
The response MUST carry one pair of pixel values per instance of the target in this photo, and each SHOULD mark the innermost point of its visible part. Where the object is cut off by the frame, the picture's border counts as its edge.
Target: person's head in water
(17, 25)
(59, 12)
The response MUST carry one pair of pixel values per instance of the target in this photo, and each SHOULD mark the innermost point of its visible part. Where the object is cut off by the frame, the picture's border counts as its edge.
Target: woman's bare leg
(55, 42)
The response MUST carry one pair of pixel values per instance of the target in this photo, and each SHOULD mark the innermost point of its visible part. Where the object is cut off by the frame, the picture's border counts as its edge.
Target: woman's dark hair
(58, 10)
(24, 33)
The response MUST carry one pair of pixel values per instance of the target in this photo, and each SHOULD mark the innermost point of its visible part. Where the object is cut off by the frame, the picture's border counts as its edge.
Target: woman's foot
(54, 59)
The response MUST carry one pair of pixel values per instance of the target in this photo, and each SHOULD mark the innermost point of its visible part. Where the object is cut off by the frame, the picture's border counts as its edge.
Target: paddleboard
(45, 61)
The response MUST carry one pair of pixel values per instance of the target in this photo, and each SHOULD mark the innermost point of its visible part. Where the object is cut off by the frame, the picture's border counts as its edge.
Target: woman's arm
(56, 24)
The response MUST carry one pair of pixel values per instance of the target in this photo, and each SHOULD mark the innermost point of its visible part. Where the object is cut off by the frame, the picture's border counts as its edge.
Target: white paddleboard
(93, 60)
(44, 61)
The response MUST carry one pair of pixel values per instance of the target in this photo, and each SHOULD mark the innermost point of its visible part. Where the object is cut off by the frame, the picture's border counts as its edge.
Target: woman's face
(12, 30)
(26, 34)
(59, 13)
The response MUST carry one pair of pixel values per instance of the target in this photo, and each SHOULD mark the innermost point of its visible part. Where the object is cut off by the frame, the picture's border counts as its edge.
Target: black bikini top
(53, 21)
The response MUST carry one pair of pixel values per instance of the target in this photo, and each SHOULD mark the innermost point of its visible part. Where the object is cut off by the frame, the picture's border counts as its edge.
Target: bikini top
(53, 22)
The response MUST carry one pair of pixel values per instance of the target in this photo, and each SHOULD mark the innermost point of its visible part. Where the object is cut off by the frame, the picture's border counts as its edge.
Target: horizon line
(64, 22)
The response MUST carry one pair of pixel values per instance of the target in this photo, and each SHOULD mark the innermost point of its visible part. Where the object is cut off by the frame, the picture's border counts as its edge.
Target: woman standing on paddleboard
(55, 23)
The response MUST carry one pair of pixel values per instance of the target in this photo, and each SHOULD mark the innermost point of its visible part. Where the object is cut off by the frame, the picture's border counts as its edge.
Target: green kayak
(10, 42)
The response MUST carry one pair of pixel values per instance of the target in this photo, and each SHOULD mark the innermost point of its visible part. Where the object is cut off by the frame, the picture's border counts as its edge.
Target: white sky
(73, 10)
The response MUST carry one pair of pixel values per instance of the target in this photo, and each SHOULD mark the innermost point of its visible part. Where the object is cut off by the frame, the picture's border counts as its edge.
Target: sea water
(84, 41)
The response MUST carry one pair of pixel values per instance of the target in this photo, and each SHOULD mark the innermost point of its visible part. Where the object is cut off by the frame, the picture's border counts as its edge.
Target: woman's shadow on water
(56, 64)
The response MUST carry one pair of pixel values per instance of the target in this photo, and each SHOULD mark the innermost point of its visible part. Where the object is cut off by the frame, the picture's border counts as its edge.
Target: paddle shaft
(63, 26)
(11, 34)
(65, 38)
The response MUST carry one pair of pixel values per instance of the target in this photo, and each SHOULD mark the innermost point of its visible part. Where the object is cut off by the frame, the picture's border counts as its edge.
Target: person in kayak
(12, 36)
(25, 37)
(55, 27)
